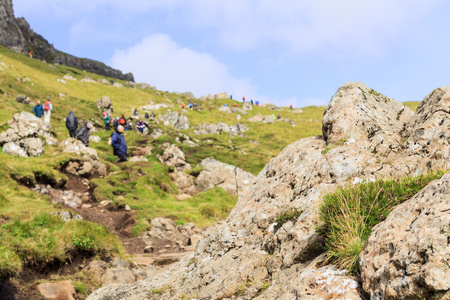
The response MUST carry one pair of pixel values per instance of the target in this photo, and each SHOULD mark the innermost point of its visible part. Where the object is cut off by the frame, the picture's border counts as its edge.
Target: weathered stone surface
(184, 182)
(225, 109)
(358, 112)
(408, 255)
(220, 127)
(215, 173)
(138, 159)
(176, 120)
(241, 247)
(88, 165)
(23, 99)
(25, 136)
(67, 216)
(221, 96)
(153, 107)
(62, 290)
(247, 106)
(104, 104)
(174, 157)
(256, 118)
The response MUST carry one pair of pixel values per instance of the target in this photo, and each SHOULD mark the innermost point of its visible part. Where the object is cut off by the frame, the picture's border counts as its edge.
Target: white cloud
(160, 61)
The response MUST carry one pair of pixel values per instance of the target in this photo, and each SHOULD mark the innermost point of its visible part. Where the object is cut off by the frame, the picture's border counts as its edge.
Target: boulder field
(366, 136)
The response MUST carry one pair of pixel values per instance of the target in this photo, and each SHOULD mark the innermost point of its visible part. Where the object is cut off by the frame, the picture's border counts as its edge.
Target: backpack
(47, 106)
(122, 121)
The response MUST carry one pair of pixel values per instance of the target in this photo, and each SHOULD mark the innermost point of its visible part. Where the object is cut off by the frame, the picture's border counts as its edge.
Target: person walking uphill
(119, 144)
(38, 110)
(107, 120)
(72, 124)
(47, 111)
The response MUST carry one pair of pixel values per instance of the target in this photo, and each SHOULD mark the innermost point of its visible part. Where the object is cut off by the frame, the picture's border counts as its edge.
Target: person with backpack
(119, 144)
(116, 123)
(122, 121)
(83, 133)
(147, 116)
(107, 120)
(140, 126)
(38, 110)
(72, 124)
(47, 111)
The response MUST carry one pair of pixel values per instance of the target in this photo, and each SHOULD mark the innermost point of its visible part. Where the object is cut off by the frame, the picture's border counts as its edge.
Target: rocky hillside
(366, 137)
(17, 35)
(70, 212)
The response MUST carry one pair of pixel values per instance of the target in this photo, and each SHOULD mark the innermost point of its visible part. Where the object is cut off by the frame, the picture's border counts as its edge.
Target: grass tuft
(348, 215)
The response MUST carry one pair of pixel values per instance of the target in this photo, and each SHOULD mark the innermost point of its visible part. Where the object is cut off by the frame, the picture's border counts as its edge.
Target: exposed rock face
(220, 127)
(17, 35)
(23, 99)
(178, 121)
(221, 96)
(247, 245)
(153, 107)
(23, 138)
(408, 255)
(215, 173)
(62, 290)
(366, 114)
(116, 272)
(247, 106)
(174, 157)
(104, 104)
(88, 165)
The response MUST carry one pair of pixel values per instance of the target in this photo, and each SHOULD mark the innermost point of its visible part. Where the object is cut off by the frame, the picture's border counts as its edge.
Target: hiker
(119, 144)
(152, 115)
(147, 116)
(231, 97)
(83, 133)
(31, 54)
(38, 109)
(251, 102)
(107, 120)
(72, 124)
(226, 105)
(47, 111)
(291, 106)
(257, 103)
(190, 104)
(136, 112)
(273, 117)
(140, 126)
(235, 105)
(116, 123)
(182, 105)
(243, 99)
(278, 117)
(195, 106)
(122, 121)
(128, 127)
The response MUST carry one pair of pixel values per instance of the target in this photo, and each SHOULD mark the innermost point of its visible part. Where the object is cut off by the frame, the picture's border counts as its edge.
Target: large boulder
(89, 163)
(247, 245)
(153, 107)
(408, 255)
(26, 135)
(221, 96)
(247, 106)
(176, 120)
(104, 104)
(215, 173)
(62, 290)
(174, 157)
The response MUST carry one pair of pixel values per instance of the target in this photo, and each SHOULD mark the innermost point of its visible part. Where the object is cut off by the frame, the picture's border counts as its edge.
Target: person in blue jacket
(38, 110)
(119, 144)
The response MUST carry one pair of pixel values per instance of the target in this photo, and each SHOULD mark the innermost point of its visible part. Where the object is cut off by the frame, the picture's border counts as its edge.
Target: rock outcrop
(86, 166)
(408, 255)
(176, 120)
(104, 104)
(174, 157)
(286, 263)
(215, 173)
(220, 127)
(26, 135)
(17, 35)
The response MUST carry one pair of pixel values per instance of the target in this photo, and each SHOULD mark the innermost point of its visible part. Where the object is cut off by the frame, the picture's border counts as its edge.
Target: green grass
(47, 239)
(348, 215)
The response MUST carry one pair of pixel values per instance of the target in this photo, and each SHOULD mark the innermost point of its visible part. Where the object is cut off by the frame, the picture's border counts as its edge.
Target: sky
(284, 52)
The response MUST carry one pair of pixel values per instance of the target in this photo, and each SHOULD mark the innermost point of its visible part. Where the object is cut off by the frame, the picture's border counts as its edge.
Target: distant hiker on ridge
(72, 124)
(38, 109)
(47, 111)
(119, 144)
(243, 99)
(251, 102)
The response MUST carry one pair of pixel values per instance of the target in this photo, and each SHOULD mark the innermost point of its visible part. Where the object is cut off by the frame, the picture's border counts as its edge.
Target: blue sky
(289, 51)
